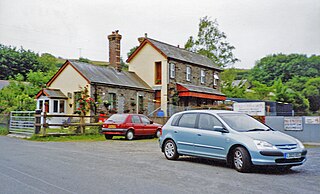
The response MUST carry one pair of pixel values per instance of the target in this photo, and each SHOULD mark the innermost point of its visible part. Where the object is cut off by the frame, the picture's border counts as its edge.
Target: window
(145, 120)
(61, 106)
(202, 76)
(188, 120)
(112, 100)
(172, 70)
(215, 79)
(158, 73)
(55, 106)
(135, 119)
(140, 104)
(207, 122)
(188, 73)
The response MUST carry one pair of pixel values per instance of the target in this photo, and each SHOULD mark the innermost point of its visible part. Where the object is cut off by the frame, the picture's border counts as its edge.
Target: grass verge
(95, 137)
(4, 131)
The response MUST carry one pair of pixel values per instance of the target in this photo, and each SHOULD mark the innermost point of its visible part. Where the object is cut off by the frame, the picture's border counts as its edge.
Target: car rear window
(117, 118)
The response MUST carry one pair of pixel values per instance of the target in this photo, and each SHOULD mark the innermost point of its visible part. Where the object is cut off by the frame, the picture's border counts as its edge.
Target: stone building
(178, 77)
(111, 88)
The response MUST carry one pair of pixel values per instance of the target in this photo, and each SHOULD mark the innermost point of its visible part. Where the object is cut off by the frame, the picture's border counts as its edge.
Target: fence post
(37, 123)
(44, 123)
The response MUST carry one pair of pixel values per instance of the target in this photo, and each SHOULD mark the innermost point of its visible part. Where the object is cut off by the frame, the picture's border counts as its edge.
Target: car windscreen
(117, 118)
(243, 122)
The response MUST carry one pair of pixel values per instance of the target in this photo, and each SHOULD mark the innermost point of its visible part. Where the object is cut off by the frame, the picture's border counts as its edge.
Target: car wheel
(129, 135)
(241, 160)
(170, 150)
(158, 133)
(108, 136)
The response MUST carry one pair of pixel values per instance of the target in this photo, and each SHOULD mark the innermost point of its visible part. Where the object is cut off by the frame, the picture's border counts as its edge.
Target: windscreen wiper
(257, 129)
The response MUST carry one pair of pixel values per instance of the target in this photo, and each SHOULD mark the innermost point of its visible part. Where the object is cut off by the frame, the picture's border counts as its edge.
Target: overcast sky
(65, 27)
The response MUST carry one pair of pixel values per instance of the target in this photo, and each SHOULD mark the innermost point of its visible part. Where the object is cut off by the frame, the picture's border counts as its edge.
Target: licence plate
(292, 155)
(112, 126)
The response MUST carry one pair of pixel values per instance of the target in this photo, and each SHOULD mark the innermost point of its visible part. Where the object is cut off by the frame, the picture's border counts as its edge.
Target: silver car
(234, 137)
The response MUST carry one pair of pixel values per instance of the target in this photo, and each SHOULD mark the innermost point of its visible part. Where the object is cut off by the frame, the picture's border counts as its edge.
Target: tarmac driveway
(119, 166)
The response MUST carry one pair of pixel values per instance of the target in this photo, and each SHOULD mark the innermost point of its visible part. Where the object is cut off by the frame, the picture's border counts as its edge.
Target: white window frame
(202, 76)
(188, 73)
(172, 70)
(215, 79)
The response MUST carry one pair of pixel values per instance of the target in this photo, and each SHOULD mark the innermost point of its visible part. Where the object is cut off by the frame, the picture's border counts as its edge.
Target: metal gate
(22, 122)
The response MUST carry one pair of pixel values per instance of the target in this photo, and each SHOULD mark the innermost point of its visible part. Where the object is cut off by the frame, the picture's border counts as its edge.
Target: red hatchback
(130, 125)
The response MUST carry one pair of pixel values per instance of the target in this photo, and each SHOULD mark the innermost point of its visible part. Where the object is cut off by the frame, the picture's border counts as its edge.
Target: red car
(130, 126)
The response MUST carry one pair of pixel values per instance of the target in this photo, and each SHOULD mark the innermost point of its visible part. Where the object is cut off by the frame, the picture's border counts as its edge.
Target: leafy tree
(132, 51)
(285, 67)
(211, 42)
(312, 93)
(84, 60)
(15, 61)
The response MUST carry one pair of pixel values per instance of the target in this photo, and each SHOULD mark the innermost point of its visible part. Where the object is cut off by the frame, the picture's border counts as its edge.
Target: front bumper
(278, 157)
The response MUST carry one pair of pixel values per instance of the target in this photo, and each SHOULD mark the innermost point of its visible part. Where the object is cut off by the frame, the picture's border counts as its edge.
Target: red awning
(199, 92)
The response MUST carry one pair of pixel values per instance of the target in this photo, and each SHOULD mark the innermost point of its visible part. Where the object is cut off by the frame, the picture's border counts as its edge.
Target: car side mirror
(220, 129)
(151, 122)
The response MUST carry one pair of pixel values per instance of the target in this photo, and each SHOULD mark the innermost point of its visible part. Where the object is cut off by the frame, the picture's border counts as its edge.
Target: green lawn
(3, 131)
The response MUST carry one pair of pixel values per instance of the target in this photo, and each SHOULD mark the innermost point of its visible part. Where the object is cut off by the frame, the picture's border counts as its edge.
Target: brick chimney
(114, 49)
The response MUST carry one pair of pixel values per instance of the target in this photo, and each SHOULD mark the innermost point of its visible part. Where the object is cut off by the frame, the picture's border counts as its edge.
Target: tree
(312, 93)
(132, 51)
(211, 42)
(285, 67)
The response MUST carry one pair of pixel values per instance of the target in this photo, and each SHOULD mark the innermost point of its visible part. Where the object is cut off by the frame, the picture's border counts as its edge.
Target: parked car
(130, 126)
(236, 138)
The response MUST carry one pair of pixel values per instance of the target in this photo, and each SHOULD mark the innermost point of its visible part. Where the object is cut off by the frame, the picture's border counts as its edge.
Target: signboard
(293, 123)
(312, 120)
(250, 108)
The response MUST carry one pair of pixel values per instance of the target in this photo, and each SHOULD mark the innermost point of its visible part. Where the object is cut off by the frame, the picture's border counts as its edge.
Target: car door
(137, 125)
(210, 143)
(148, 128)
(184, 133)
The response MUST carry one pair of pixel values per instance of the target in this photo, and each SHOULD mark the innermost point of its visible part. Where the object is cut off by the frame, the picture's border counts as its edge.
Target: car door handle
(175, 131)
(199, 134)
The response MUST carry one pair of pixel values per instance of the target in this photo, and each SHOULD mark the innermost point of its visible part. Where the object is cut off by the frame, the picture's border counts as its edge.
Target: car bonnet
(273, 137)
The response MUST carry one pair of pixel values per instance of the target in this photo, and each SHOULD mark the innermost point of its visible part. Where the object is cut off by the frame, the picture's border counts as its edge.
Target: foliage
(86, 103)
(312, 93)
(211, 42)
(285, 67)
(132, 51)
(3, 131)
(15, 61)
(84, 60)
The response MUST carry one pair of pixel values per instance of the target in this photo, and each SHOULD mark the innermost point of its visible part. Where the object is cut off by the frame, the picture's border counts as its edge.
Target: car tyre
(108, 136)
(170, 150)
(129, 135)
(157, 134)
(241, 159)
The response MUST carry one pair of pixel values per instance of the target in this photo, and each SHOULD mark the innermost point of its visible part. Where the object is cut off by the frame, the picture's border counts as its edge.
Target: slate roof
(52, 93)
(201, 89)
(110, 76)
(183, 55)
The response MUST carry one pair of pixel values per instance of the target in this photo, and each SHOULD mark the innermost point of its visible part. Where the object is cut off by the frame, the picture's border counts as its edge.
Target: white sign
(293, 123)
(250, 108)
(312, 120)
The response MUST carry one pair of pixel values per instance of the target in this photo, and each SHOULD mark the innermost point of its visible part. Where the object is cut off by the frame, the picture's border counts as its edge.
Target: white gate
(22, 122)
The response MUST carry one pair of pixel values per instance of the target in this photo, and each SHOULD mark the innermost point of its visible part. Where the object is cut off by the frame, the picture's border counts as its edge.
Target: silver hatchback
(234, 137)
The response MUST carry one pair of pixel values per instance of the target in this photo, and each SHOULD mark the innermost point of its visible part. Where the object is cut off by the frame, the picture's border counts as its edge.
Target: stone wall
(180, 76)
(126, 99)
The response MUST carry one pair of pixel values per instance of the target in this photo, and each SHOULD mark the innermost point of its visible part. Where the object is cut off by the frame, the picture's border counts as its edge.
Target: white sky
(255, 27)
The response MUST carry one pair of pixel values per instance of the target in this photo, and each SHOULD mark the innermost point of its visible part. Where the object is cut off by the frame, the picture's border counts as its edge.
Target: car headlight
(300, 144)
(263, 145)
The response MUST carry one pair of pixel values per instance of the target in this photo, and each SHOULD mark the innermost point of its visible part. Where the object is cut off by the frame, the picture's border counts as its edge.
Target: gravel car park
(121, 166)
